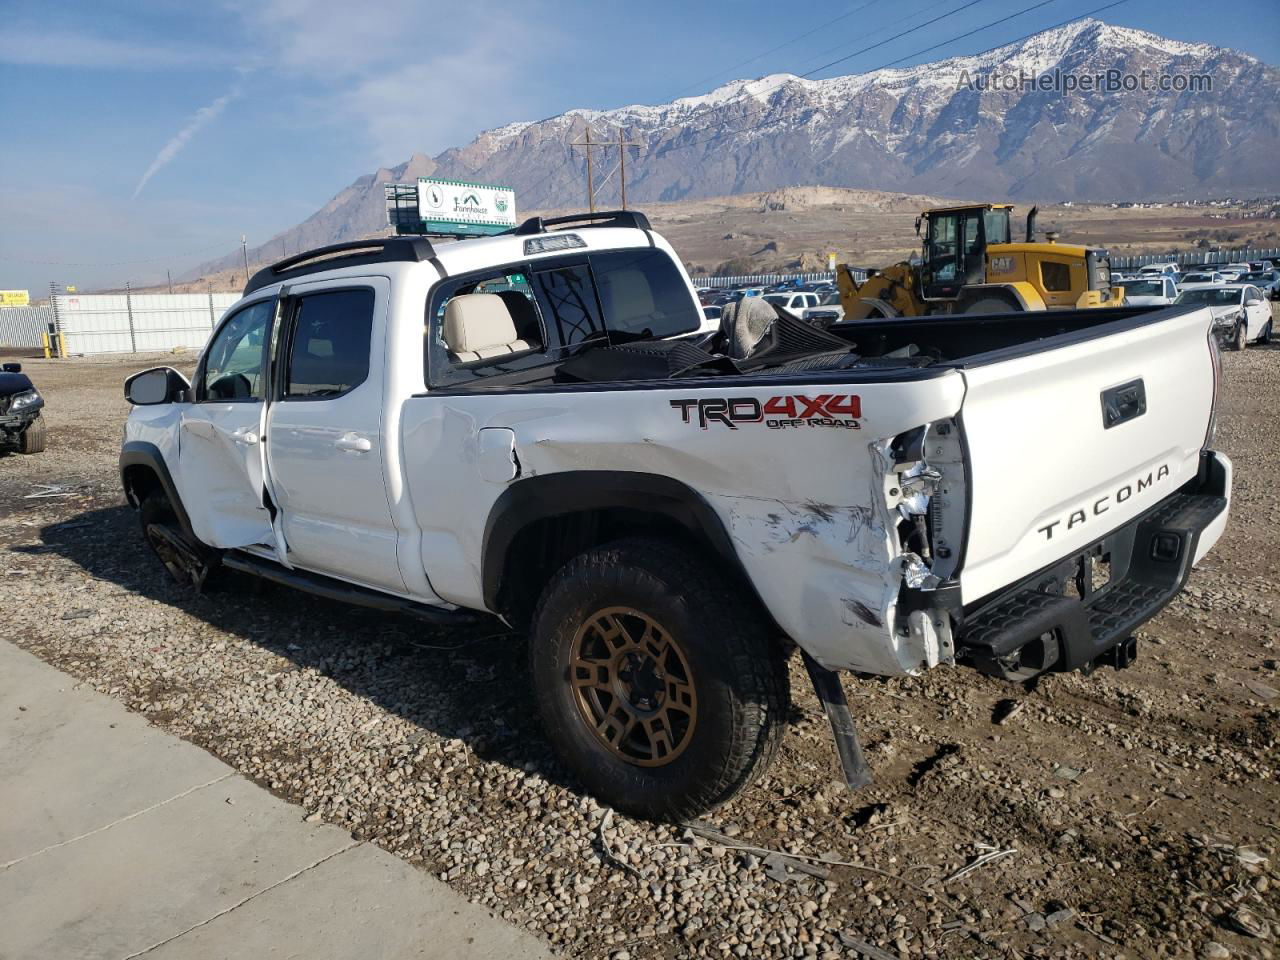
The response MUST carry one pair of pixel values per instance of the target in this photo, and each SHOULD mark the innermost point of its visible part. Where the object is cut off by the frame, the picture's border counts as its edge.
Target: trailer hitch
(826, 684)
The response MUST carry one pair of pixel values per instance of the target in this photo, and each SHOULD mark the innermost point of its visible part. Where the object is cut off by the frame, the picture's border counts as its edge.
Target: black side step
(333, 589)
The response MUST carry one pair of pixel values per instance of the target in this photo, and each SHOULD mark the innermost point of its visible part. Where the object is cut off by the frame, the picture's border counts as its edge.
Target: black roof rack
(601, 218)
(377, 250)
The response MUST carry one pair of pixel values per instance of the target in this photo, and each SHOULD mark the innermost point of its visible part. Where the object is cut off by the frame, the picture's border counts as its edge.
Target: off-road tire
(1240, 336)
(989, 305)
(736, 666)
(32, 439)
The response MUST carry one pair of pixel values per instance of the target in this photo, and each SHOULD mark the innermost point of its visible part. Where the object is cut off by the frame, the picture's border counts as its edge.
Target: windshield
(1213, 297)
(1255, 277)
(1143, 288)
(831, 300)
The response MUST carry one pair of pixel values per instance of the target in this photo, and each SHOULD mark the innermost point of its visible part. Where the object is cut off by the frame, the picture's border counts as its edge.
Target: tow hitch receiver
(1120, 656)
(826, 684)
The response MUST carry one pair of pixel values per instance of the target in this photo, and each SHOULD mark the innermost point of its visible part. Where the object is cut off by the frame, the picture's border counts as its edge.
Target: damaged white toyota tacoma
(534, 427)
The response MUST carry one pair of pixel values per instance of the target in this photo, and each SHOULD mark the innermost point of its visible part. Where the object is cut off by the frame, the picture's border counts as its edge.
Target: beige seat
(478, 326)
(628, 300)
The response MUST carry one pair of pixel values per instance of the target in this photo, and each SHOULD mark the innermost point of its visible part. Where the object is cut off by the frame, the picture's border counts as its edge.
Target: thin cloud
(199, 119)
(85, 51)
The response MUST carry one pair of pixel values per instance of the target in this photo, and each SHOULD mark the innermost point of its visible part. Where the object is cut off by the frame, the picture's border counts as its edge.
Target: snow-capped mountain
(997, 125)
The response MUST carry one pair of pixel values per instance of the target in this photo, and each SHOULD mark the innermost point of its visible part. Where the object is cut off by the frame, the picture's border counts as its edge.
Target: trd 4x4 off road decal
(777, 413)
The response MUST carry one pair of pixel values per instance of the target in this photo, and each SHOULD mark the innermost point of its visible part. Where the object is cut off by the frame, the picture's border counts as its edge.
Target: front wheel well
(140, 482)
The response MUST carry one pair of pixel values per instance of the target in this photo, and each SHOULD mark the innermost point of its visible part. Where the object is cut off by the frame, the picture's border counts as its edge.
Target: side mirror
(12, 368)
(157, 385)
(1252, 302)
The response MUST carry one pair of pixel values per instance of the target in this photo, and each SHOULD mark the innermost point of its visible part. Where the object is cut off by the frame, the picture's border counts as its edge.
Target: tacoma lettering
(1102, 504)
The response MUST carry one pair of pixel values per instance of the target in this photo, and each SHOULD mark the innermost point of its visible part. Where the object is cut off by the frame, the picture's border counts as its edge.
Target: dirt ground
(1124, 814)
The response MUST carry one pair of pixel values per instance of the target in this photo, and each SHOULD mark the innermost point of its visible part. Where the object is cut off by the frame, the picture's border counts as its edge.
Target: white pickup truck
(534, 427)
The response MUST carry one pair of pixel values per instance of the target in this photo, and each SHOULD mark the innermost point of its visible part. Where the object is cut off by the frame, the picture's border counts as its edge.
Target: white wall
(139, 323)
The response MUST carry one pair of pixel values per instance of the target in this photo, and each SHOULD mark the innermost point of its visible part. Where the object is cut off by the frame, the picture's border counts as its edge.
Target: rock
(1249, 923)
(1212, 950)
(1059, 916)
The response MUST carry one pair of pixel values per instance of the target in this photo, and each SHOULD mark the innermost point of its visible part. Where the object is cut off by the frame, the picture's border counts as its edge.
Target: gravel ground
(1132, 814)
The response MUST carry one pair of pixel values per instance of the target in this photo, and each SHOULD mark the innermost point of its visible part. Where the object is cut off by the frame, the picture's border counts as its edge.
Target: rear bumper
(1070, 617)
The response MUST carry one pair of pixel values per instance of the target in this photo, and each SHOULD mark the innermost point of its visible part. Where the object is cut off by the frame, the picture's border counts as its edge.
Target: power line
(727, 133)
(844, 16)
(873, 46)
(896, 36)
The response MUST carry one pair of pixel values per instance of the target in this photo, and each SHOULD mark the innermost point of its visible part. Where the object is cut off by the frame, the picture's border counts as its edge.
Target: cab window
(568, 301)
(643, 294)
(235, 363)
(996, 224)
(329, 352)
(1055, 276)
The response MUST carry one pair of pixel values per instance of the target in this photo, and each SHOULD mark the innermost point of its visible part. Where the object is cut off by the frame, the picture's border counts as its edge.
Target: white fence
(768, 279)
(1189, 258)
(24, 326)
(138, 323)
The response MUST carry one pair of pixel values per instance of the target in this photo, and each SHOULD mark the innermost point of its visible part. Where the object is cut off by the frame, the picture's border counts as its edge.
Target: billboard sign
(455, 206)
(14, 298)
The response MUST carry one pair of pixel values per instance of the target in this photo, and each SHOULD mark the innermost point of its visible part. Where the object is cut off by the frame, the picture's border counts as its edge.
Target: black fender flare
(583, 491)
(136, 454)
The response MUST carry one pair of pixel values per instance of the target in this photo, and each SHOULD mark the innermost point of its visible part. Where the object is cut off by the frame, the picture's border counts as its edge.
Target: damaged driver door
(221, 450)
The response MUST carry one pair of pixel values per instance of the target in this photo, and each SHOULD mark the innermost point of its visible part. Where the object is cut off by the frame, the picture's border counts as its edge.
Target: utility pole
(588, 144)
(244, 250)
(169, 277)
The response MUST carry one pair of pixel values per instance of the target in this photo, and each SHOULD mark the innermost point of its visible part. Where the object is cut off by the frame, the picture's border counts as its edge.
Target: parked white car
(1241, 313)
(829, 309)
(1156, 290)
(794, 303)
(1211, 277)
(1160, 269)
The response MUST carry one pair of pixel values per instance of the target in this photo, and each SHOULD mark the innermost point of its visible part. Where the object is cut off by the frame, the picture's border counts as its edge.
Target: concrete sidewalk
(119, 841)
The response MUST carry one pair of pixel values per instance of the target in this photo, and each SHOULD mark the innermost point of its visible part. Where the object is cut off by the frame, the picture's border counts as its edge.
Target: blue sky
(142, 136)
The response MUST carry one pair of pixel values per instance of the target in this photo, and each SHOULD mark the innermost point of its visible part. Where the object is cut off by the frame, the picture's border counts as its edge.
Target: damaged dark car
(22, 425)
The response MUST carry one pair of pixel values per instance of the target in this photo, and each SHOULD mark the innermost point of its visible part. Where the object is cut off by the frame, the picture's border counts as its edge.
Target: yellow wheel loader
(970, 264)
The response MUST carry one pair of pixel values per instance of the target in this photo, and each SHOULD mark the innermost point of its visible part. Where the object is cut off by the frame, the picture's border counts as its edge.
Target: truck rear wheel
(657, 681)
(32, 439)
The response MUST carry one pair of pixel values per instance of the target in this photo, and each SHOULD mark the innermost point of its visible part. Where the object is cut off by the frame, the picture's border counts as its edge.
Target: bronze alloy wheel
(633, 686)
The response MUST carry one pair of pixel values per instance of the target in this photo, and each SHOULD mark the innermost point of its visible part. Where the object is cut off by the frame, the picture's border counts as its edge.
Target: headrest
(627, 296)
(475, 321)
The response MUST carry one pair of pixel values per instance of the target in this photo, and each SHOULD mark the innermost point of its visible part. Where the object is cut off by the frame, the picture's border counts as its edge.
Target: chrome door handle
(248, 437)
(354, 443)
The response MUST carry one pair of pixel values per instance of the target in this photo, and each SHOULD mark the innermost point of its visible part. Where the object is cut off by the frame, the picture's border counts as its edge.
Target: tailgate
(1048, 475)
